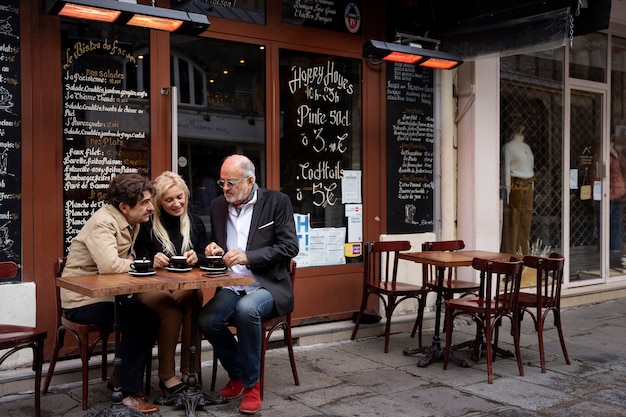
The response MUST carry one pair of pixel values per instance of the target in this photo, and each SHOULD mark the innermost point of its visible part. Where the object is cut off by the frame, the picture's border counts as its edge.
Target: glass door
(594, 237)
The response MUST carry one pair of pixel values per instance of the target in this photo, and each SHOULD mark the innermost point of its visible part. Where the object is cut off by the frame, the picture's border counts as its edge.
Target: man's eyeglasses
(231, 183)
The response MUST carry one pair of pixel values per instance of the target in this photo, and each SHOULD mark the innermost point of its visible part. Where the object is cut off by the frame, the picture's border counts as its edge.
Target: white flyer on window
(351, 186)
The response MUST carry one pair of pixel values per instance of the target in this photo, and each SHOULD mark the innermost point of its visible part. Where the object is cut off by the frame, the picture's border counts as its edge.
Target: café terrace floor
(347, 378)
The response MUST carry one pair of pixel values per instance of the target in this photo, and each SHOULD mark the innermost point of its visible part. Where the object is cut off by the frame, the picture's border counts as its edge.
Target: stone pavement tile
(279, 380)
(615, 376)
(519, 392)
(17, 406)
(446, 401)
(558, 381)
(381, 405)
(384, 381)
(612, 396)
(454, 376)
(588, 409)
(278, 375)
(374, 349)
(333, 361)
(332, 394)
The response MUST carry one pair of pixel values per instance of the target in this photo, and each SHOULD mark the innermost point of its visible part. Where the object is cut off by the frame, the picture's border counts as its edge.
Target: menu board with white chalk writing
(410, 141)
(320, 106)
(10, 134)
(106, 123)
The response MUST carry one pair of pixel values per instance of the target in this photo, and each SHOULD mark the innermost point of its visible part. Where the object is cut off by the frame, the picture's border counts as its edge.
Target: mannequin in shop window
(617, 190)
(519, 176)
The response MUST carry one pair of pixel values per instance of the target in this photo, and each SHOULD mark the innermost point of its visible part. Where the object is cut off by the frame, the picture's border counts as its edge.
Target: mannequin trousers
(517, 218)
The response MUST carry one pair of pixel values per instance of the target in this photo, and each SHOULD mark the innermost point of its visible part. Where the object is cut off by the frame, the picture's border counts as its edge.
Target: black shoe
(173, 391)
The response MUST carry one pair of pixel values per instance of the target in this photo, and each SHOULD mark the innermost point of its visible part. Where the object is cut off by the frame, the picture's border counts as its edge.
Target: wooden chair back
(501, 284)
(429, 272)
(381, 262)
(549, 278)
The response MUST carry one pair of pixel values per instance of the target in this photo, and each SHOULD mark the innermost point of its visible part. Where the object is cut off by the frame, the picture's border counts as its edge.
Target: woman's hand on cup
(192, 257)
(160, 260)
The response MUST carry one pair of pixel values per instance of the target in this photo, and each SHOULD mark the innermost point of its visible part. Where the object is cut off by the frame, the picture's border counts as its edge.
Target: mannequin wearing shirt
(519, 176)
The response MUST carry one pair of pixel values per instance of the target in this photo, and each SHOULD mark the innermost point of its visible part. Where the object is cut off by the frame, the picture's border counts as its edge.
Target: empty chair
(451, 284)
(380, 279)
(547, 298)
(15, 338)
(81, 333)
(501, 285)
(269, 326)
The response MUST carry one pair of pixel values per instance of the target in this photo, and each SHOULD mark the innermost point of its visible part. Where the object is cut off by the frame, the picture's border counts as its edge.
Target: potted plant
(529, 275)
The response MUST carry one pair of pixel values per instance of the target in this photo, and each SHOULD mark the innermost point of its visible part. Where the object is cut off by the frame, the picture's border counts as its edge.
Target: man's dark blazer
(272, 242)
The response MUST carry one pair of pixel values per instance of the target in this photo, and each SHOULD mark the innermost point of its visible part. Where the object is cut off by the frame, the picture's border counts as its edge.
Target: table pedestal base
(191, 398)
(482, 349)
(433, 353)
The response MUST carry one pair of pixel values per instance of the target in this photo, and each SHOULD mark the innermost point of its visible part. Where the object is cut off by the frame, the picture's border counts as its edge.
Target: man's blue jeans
(240, 357)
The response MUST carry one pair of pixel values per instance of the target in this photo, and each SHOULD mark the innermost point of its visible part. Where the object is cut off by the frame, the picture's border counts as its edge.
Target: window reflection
(221, 110)
(588, 57)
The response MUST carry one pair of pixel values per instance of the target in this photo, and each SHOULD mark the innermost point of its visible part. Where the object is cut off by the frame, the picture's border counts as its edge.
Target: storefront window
(320, 152)
(221, 111)
(588, 57)
(532, 155)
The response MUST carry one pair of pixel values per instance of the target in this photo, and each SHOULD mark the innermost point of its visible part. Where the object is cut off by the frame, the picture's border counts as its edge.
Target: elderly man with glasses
(253, 228)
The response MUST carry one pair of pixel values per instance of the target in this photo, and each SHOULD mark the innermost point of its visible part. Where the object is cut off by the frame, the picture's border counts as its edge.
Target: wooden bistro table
(120, 285)
(443, 260)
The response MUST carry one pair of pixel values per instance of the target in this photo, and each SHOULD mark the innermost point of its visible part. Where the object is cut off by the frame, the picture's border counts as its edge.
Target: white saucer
(209, 269)
(172, 269)
(142, 274)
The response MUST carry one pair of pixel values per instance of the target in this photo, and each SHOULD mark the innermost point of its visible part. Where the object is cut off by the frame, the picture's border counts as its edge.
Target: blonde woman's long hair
(161, 184)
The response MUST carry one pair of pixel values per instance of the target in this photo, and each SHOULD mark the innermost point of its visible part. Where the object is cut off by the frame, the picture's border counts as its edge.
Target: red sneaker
(251, 402)
(233, 389)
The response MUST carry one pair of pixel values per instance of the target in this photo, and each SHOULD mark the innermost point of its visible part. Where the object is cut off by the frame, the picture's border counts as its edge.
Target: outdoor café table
(121, 285)
(442, 260)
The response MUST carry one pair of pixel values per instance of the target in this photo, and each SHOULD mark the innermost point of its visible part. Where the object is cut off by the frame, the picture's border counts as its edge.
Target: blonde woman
(171, 231)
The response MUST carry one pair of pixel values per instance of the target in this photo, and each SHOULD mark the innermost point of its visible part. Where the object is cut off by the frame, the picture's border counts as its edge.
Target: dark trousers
(139, 326)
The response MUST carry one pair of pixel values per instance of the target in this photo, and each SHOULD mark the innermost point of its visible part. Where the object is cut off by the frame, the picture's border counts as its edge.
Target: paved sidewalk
(352, 379)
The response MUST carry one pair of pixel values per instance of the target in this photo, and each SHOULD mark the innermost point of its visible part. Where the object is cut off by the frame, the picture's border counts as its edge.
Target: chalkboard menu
(410, 138)
(10, 134)
(320, 106)
(105, 114)
(338, 15)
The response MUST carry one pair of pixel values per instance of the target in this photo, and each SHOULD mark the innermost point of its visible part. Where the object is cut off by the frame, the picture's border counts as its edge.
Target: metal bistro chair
(15, 338)
(269, 326)
(546, 299)
(380, 279)
(502, 282)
